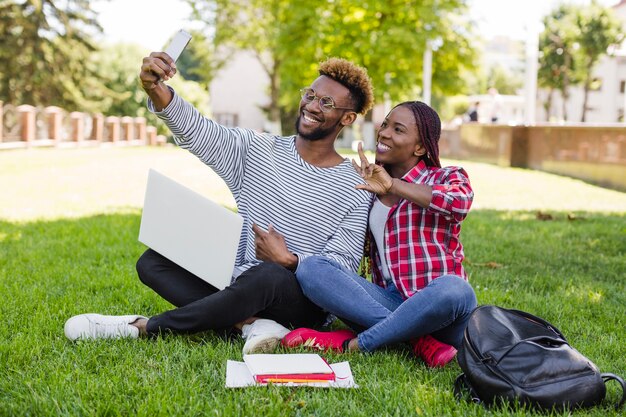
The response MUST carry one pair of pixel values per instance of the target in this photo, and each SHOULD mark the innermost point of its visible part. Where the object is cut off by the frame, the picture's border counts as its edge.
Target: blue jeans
(441, 309)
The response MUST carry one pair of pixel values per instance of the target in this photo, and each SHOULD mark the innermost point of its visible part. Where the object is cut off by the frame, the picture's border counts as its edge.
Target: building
(239, 93)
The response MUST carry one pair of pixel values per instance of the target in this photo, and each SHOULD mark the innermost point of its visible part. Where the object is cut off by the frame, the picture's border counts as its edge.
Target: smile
(381, 147)
(309, 118)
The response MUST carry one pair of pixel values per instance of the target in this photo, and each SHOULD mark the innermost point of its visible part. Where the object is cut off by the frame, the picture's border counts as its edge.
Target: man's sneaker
(318, 340)
(97, 326)
(262, 336)
(433, 352)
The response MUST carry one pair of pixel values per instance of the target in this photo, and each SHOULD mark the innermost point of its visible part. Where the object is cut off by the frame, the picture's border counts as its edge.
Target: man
(297, 197)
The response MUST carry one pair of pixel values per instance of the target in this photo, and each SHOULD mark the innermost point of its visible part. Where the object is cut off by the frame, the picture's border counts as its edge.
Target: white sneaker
(262, 336)
(97, 326)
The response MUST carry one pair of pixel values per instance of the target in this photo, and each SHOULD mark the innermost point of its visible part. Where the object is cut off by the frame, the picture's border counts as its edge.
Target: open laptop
(190, 230)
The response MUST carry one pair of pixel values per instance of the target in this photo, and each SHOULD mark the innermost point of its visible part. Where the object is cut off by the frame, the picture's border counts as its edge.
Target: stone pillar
(27, 119)
(151, 133)
(97, 127)
(113, 125)
(140, 129)
(1, 119)
(55, 122)
(78, 126)
(127, 128)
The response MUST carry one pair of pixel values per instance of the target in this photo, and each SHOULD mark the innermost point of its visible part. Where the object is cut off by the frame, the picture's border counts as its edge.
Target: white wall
(241, 88)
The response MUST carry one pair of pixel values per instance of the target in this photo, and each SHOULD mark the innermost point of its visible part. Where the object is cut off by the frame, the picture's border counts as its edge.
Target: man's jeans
(441, 309)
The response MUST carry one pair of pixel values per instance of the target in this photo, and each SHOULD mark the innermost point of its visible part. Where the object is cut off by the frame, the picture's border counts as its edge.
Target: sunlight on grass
(62, 183)
(584, 294)
(10, 237)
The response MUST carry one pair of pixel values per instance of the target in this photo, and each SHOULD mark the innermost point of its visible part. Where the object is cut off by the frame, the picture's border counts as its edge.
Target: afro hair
(354, 78)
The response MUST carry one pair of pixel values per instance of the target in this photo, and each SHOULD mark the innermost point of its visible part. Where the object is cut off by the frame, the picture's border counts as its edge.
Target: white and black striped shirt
(318, 210)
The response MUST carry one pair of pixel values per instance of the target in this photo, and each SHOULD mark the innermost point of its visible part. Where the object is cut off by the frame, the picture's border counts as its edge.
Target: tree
(116, 85)
(44, 49)
(387, 37)
(558, 67)
(199, 61)
(116, 68)
(598, 29)
(251, 25)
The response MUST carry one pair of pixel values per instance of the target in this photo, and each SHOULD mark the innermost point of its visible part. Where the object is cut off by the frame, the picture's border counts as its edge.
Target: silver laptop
(190, 230)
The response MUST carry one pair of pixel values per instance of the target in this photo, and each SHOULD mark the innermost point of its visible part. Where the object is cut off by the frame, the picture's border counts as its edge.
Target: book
(282, 368)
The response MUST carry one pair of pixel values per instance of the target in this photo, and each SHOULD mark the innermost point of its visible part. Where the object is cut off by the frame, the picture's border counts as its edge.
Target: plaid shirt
(423, 244)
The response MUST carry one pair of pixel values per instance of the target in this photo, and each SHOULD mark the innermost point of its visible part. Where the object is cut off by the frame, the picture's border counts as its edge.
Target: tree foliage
(387, 37)
(116, 68)
(45, 44)
(558, 68)
(572, 43)
(199, 61)
(598, 28)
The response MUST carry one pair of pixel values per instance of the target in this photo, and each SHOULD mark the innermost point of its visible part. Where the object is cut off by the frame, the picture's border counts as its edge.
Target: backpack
(509, 356)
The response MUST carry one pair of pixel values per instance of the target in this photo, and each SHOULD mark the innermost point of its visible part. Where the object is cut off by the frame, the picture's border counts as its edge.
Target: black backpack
(509, 356)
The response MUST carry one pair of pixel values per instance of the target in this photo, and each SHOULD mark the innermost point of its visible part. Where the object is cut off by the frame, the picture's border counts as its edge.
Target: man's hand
(271, 246)
(377, 180)
(156, 67)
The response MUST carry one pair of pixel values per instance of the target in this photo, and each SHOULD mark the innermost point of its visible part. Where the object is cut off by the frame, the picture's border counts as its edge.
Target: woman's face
(398, 141)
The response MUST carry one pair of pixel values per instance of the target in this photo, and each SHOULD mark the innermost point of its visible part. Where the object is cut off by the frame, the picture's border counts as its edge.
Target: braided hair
(428, 129)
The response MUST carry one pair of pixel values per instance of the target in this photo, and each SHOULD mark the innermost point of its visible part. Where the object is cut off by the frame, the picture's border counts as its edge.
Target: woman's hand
(378, 181)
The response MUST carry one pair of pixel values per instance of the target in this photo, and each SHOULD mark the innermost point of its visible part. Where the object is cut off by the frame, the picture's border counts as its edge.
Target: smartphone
(178, 44)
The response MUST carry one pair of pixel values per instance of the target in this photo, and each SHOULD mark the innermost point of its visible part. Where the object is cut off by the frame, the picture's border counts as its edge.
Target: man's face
(315, 124)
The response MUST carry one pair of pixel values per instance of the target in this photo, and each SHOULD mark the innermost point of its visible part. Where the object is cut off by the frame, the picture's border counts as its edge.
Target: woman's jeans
(441, 309)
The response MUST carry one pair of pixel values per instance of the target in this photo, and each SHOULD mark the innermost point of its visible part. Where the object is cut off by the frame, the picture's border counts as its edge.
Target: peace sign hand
(376, 178)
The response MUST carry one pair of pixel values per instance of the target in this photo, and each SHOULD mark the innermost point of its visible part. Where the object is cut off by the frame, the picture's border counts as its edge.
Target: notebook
(190, 230)
(299, 367)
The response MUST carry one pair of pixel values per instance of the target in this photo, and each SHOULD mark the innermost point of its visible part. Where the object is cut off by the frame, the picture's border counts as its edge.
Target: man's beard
(316, 134)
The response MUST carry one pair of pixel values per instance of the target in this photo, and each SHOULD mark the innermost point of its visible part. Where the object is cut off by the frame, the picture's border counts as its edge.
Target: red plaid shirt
(423, 243)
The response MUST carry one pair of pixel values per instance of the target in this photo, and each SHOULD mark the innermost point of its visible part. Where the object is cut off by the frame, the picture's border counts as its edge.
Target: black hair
(428, 129)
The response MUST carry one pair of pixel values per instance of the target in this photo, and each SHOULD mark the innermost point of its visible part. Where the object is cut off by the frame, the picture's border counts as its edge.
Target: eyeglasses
(326, 103)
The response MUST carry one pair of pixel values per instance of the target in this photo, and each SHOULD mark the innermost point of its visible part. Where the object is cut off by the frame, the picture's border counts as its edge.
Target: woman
(419, 291)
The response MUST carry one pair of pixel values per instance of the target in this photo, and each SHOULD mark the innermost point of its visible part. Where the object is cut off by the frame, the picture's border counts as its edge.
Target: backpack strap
(608, 377)
(461, 385)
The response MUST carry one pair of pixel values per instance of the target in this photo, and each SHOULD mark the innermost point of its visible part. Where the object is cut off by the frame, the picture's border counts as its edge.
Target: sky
(150, 23)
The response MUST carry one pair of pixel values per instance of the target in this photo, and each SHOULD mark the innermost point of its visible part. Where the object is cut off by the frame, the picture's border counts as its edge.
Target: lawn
(68, 243)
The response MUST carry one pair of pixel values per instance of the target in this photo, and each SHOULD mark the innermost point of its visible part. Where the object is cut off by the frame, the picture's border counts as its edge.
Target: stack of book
(291, 368)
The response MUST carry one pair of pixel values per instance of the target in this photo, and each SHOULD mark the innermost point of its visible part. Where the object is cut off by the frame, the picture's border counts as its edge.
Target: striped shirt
(317, 210)
(423, 244)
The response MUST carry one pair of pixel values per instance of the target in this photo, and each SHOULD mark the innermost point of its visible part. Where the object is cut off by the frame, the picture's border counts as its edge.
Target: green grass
(52, 266)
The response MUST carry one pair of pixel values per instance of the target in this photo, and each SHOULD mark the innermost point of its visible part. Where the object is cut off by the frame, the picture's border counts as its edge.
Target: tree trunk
(274, 108)
(564, 91)
(547, 106)
(586, 93)
(565, 97)
(585, 96)
(272, 69)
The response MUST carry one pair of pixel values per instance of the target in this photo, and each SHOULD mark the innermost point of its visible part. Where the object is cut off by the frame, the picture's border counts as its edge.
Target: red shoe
(318, 340)
(433, 352)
